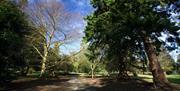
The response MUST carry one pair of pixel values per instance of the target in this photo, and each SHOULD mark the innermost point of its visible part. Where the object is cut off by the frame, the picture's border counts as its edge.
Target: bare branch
(37, 51)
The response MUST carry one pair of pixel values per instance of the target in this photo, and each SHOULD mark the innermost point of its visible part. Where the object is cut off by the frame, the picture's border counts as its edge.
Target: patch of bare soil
(82, 84)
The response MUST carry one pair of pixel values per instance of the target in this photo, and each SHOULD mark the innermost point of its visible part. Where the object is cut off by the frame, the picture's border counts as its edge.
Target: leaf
(141, 1)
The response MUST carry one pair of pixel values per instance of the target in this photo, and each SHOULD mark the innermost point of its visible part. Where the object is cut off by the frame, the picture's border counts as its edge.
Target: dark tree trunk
(143, 67)
(122, 68)
(24, 71)
(159, 77)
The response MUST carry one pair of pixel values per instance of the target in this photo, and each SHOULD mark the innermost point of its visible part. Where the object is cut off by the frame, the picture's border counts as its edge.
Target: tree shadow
(97, 84)
(174, 80)
(21, 85)
(123, 85)
(126, 85)
(174, 84)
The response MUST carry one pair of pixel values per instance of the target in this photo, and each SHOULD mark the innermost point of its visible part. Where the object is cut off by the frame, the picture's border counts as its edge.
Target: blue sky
(78, 9)
(78, 6)
(174, 54)
(82, 8)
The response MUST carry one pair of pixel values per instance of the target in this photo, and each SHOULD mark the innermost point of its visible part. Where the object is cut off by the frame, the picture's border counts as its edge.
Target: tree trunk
(24, 71)
(27, 70)
(159, 77)
(122, 75)
(122, 68)
(92, 74)
(43, 65)
(143, 63)
(92, 71)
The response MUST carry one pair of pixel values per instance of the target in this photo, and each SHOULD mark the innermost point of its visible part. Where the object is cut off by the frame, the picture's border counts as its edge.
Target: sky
(174, 53)
(82, 8)
(78, 9)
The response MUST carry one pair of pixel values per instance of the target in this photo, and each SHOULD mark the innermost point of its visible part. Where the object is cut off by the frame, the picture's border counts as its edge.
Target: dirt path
(63, 84)
(80, 84)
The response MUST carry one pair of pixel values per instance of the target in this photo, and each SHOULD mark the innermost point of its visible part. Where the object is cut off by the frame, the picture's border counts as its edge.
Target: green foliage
(66, 66)
(166, 62)
(56, 62)
(84, 66)
(12, 30)
(81, 62)
(177, 64)
(30, 56)
(117, 28)
(101, 69)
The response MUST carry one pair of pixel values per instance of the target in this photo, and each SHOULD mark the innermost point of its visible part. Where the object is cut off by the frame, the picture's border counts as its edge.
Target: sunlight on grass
(174, 78)
(171, 78)
(147, 78)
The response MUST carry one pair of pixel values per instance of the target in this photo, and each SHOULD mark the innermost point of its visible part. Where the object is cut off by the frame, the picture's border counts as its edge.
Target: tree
(177, 65)
(80, 60)
(13, 29)
(49, 17)
(53, 60)
(93, 61)
(118, 26)
(166, 61)
(66, 65)
(21, 3)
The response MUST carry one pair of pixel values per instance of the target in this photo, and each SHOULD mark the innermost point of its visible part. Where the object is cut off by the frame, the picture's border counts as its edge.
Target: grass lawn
(174, 78)
(171, 78)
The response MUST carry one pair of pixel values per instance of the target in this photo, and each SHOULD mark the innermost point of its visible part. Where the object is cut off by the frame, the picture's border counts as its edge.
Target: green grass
(174, 78)
(171, 78)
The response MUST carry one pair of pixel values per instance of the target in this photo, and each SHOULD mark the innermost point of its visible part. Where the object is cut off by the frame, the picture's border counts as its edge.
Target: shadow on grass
(174, 80)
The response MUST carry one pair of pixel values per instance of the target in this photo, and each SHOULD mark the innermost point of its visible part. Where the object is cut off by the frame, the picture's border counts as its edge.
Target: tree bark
(92, 74)
(122, 68)
(122, 75)
(43, 65)
(24, 71)
(92, 71)
(159, 77)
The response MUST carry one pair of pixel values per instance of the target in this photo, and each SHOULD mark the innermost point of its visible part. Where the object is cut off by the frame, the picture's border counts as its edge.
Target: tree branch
(37, 51)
